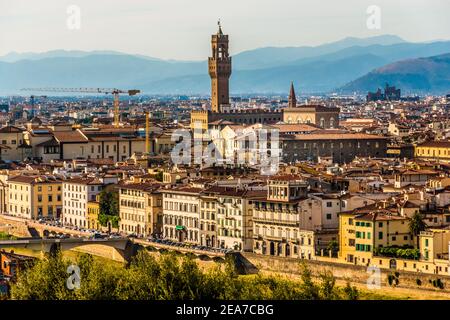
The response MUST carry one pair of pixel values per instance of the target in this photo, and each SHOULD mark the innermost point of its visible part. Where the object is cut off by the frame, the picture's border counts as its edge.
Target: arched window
(322, 122)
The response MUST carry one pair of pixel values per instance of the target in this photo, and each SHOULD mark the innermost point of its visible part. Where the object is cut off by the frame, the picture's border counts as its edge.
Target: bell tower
(292, 101)
(219, 66)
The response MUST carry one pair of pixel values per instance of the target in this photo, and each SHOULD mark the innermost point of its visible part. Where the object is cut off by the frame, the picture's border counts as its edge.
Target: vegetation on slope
(167, 277)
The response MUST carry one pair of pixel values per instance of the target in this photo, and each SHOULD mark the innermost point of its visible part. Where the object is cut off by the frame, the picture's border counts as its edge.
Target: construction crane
(115, 92)
(147, 132)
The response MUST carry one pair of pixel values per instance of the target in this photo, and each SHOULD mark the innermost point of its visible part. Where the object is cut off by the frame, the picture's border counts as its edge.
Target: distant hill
(276, 56)
(421, 75)
(16, 56)
(266, 70)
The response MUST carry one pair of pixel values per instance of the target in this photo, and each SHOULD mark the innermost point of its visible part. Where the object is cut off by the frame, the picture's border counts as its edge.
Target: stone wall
(14, 226)
(345, 271)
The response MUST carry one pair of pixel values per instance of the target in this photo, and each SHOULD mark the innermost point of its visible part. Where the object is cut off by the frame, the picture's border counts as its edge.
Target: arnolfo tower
(219, 70)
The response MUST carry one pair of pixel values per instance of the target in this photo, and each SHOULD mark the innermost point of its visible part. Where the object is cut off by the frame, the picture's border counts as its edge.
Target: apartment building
(363, 231)
(89, 143)
(34, 197)
(433, 150)
(93, 213)
(12, 146)
(140, 207)
(413, 177)
(77, 192)
(331, 204)
(208, 218)
(181, 214)
(233, 218)
(287, 222)
(251, 145)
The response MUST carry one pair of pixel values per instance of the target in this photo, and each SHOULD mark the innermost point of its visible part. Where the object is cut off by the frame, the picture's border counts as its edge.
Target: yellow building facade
(361, 234)
(93, 208)
(35, 197)
(433, 150)
(140, 208)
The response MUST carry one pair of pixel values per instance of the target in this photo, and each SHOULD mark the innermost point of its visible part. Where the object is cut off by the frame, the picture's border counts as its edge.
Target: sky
(181, 29)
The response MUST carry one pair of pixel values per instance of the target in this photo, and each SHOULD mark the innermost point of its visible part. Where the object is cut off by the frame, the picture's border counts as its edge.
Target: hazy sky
(180, 29)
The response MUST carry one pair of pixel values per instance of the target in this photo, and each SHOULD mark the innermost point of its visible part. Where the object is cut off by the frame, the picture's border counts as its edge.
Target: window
(328, 216)
(39, 197)
(329, 204)
(380, 224)
(13, 141)
(426, 242)
(380, 235)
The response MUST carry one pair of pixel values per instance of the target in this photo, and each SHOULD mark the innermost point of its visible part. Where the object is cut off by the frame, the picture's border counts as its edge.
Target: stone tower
(292, 102)
(219, 70)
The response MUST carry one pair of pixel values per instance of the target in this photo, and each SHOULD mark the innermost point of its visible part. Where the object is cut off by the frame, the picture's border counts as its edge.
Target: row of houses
(61, 142)
(280, 216)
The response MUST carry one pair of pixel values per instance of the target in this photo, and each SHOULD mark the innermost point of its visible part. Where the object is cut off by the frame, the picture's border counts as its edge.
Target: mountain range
(348, 65)
(413, 76)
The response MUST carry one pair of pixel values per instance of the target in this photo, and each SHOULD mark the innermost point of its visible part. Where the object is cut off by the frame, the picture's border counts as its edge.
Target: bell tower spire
(292, 102)
(219, 67)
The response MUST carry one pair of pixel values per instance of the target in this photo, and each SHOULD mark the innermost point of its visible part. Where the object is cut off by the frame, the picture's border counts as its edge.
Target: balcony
(276, 221)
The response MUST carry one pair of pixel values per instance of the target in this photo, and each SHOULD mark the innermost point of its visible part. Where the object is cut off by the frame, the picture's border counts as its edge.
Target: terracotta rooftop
(436, 144)
(70, 136)
(336, 136)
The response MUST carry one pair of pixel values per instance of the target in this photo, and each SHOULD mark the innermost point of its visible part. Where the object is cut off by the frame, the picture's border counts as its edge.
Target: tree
(45, 280)
(166, 277)
(310, 290)
(159, 176)
(416, 224)
(109, 208)
(332, 246)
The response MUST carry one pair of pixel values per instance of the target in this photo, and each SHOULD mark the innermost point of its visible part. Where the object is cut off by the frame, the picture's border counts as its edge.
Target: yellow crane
(147, 132)
(115, 92)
